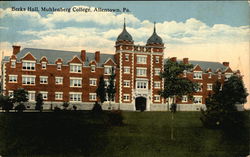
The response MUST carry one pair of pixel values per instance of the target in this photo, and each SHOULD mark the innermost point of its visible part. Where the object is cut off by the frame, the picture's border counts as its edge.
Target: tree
(20, 97)
(175, 85)
(111, 87)
(221, 111)
(65, 105)
(6, 103)
(39, 102)
(101, 91)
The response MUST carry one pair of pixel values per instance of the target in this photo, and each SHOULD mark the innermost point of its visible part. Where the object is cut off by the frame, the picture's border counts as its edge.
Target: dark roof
(124, 36)
(66, 56)
(154, 39)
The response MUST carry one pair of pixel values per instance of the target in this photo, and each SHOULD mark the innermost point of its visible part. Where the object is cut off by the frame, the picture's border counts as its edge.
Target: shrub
(56, 109)
(97, 108)
(20, 107)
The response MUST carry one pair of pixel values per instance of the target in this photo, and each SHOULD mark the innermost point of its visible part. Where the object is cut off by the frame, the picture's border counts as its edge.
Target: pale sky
(199, 30)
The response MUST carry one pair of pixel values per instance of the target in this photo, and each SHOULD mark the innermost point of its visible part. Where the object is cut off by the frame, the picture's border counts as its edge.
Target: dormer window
(92, 68)
(75, 68)
(13, 63)
(198, 75)
(107, 70)
(210, 75)
(219, 75)
(59, 66)
(28, 65)
(44, 65)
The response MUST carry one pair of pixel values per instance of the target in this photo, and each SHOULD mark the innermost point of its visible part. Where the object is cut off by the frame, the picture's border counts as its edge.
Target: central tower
(139, 71)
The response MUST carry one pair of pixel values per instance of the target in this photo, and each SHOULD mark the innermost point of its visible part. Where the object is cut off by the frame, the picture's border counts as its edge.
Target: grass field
(145, 134)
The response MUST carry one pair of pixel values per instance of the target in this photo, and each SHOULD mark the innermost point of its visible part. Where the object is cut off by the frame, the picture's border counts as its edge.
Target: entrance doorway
(140, 103)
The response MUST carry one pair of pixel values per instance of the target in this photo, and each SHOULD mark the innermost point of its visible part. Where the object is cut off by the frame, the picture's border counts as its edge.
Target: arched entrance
(140, 103)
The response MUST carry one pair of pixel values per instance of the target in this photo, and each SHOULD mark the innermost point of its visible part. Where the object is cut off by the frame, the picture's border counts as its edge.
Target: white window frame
(157, 98)
(44, 65)
(142, 84)
(200, 86)
(219, 75)
(58, 95)
(75, 82)
(157, 71)
(126, 69)
(60, 82)
(75, 68)
(13, 63)
(92, 68)
(184, 98)
(11, 93)
(59, 66)
(141, 59)
(77, 96)
(92, 97)
(157, 59)
(157, 84)
(197, 99)
(209, 86)
(127, 57)
(141, 71)
(31, 78)
(31, 96)
(197, 75)
(228, 75)
(93, 81)
(107, 70)
(126, 83)
(42, 78)
(13, 78)
(126, 97)
(29, 65)
(209, 74)
(44, 95)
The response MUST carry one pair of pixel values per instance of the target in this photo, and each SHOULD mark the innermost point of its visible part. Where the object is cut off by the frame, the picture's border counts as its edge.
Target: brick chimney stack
(83, 55)
(226, 64)
(185, 61)
(173, 59)
(16, 49)
(97, 56)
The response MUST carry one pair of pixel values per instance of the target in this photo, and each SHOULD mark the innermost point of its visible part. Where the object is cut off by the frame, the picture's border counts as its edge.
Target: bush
(56, 109)
(115, 118)
(97, 108)
(20, 107)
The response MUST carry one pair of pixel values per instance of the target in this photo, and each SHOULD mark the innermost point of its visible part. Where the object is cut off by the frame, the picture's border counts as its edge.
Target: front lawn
(145, 134)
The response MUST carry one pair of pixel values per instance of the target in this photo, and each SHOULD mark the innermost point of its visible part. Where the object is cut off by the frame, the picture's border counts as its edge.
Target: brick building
(73, 76)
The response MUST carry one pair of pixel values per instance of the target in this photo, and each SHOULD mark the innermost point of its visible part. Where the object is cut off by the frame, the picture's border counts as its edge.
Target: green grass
(144, 134)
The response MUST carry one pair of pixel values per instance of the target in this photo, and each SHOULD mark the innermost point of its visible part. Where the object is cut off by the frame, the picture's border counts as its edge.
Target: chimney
(16, 49)
(226, 64)
(173, 59)
(97, 56)
(83, 55)
(185, 60)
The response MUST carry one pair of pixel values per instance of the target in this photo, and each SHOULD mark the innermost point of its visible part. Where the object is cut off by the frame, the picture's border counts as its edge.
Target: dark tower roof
(154, 39)
(124, 34)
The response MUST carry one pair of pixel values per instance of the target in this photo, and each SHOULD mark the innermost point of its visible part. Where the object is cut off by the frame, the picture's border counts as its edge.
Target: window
(157, 98)
(228, 75)
(75, 97)
(92, 81)
(219, 75)
(58, 95)
(197, 75)
(107, 70)
(157, 59)
(184, 98)
(31, 95)
(43, 79)
(126, 83)
(157, 85)
(75, 82)
(75, 68)
(45, 95)
(106, 82)
(141, 71)
(92, 96)
(59, 66)
(157, 71)
(11, 93)
(141, 84)
(59, 80)
(209, 86)
(13, 63)
(126, 70)
(12, 78)
(28, 65)
(92, 67)
(44, 64)
(126, 97)
(126, 57)
(197, 100)
(210, 75)
(141, 59)
(28, 79)
(199, 88)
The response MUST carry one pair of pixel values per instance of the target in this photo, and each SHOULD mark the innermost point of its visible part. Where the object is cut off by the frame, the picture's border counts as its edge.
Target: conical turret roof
(154, 39)
(124, 36)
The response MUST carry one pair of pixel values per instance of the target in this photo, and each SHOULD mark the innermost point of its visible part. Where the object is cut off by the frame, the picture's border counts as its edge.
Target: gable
(59, 60)
(75, 59)
(228, 70)
(28, 56)
(93, 62)
(197, 68)
(109, 62)
(44, 59)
